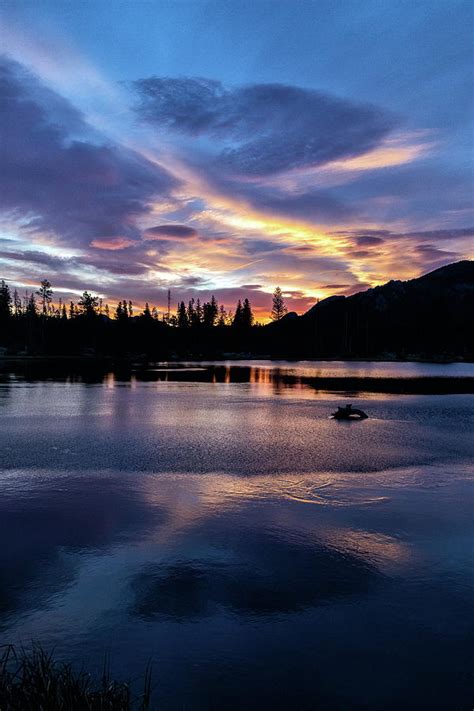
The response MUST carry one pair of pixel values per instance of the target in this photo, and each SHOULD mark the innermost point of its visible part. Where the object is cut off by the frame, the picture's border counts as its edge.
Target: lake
(214, 519)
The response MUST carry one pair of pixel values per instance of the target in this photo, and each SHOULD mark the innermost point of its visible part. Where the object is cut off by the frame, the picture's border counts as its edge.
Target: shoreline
(237, 357)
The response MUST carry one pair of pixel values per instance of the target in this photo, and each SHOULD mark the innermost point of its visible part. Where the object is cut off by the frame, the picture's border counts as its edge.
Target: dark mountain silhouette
(428, 316)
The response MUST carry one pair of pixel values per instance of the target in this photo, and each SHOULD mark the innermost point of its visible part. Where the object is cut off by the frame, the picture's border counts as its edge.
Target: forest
(427, 317)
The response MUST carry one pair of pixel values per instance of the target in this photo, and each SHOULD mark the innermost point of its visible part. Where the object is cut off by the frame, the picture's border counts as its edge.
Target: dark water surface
(264, 555)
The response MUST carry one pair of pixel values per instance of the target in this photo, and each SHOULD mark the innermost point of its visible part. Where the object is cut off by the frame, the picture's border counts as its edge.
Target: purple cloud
(368, 241)
(262, 129)
(60, 176)
(172, 232)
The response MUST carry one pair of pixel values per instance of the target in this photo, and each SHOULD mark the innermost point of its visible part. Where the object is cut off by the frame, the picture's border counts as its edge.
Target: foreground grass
(34, 680)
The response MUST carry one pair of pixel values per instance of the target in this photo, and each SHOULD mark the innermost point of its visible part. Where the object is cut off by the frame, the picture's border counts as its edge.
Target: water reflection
(235, 534)
(349, 378)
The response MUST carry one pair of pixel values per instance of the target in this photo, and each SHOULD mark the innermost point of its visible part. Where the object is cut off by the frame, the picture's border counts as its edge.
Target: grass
(33, 680)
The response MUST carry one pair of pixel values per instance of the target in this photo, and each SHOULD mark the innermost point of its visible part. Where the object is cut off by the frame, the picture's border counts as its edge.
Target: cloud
(171, 232)
(113, 244)
(308, 206)
(368, 241)
(62, 178)
(262, 129)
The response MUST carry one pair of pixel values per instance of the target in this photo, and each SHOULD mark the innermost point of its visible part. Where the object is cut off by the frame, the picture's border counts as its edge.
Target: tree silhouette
(247, 315)
(17, 303)
(5, 300)
(237, 320)
(278, 308)
(31, 308)
(198, 313)
(222, 320)
(191, 313)
(210, 311)
(88, 304)
(182, 316)
(46, 295)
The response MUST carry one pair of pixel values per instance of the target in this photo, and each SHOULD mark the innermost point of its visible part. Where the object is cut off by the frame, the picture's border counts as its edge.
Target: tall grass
(33, 680)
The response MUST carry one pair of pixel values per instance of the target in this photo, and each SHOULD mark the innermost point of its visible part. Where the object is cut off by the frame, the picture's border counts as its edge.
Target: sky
(229, 147)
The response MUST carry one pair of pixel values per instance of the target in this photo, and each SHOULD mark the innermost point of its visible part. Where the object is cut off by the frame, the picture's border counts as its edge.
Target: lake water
(261, 554)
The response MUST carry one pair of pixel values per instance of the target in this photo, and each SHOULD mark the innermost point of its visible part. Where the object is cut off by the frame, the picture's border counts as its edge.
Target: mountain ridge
(430, 314)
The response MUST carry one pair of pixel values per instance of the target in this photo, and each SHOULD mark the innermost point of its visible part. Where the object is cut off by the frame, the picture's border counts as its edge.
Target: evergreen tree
(182, 316)
(17, 304)
(223, 318)
(88, 304)
(210, 312)
(31, 308)
(278, 308)
(237, 321)
(46, 295)
(130, 309)
(247, 315)
(198, 313)
(191, 313)
(5, 300)
(146, 312)
(72, 309)
(64, 312)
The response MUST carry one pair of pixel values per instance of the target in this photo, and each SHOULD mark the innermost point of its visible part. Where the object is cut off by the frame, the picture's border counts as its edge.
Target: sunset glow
(167, 167)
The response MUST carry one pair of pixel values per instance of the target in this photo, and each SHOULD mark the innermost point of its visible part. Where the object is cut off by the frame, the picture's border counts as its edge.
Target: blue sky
(280, 134)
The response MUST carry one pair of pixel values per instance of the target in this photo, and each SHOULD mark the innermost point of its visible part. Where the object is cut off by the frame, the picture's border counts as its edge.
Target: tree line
(193, 314)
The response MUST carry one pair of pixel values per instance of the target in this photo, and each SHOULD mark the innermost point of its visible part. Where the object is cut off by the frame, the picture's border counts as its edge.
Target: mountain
(431, 316)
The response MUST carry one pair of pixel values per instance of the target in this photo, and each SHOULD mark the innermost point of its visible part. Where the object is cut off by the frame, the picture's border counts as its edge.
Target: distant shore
(234, 357)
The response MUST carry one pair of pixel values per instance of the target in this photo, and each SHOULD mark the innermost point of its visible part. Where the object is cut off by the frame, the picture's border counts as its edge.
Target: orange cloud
(113, 244)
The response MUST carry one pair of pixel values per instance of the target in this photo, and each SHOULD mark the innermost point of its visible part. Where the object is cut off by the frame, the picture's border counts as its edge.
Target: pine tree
(5, 300)
(88, 304)
(223, 318)
(210, 312)
(278, 309)
(237, 321)
(17, 303)
(247, 315)
(46, 295)
(146, 312)
(182, 316)
(31, 308)
(198, 313)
